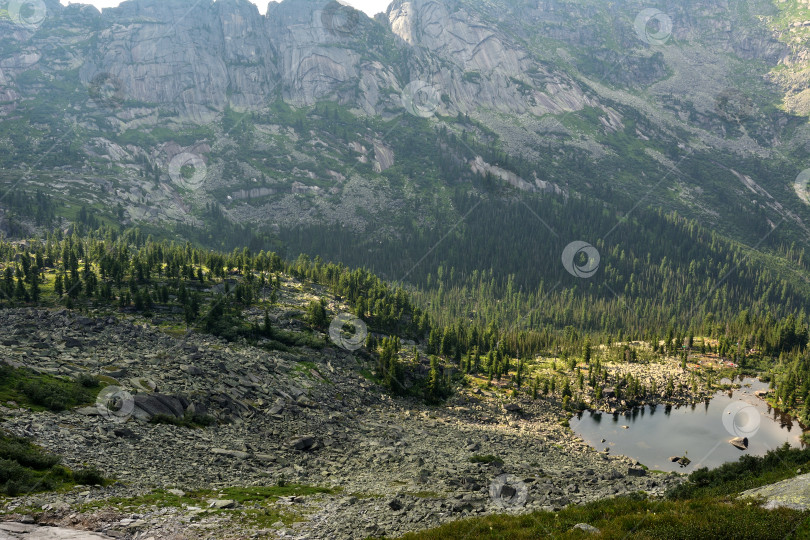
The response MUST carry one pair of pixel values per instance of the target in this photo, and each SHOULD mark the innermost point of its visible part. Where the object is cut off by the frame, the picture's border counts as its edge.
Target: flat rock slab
(791, 493)
(21, 531)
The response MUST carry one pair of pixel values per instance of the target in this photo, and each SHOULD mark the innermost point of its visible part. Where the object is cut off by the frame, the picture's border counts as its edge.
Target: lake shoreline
(704, 434)
(655, 375)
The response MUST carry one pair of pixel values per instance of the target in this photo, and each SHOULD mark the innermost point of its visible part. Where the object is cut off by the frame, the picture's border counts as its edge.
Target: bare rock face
(312, 63)
(200, 57)
(321, 44)
(205, 57)
(488, 68)
(792, 493)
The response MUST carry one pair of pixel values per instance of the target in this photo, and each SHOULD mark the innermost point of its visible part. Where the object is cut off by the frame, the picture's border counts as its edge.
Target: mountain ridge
(194, 119)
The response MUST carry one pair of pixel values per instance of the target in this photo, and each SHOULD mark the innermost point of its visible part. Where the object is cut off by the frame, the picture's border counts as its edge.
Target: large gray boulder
(27, 531)
(157, 404)
(587, 528)
(791, 493)
(303, 443)
(172, 403)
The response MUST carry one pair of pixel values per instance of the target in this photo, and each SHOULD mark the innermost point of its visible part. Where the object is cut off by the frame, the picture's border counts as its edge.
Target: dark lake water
(700, 431)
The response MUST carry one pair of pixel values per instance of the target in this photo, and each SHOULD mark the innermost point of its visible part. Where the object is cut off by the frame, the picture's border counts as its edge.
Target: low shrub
(188, 420)
(26, 468)
(478, 458)
(88, 477)
(39, 390)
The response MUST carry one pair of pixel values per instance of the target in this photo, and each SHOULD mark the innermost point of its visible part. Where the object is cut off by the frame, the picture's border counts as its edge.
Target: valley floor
(390, 466)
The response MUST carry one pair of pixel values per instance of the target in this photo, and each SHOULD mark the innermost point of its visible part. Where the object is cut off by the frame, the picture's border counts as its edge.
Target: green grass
(242, 495)
(159, 498)
(305, 369)
(255, 508)
(38, 391)
(264, 493)
(265, 516)
(426, 494)
(633, 518)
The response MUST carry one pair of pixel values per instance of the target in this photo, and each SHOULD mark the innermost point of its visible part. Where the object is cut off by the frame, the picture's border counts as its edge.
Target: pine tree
(519, 374)
(316, 313)
(433, 390)
(19, 292)
(35, 290)
(267, 328)
(566, 391)
(8, 282)
(58, 286)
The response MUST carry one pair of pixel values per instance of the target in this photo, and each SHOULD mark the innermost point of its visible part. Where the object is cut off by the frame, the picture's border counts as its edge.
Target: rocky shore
(653, 374)
(308, 418)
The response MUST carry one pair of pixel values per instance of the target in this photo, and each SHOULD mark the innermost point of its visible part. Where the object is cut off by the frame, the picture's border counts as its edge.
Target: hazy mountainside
(792, 73)
(395, 133)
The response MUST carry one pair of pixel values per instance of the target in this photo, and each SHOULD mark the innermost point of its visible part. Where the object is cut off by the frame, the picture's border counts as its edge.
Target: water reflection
(697, 430)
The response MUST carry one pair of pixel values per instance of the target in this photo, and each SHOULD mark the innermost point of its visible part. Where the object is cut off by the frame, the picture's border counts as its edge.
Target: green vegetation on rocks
(26, 468)
(41, 391)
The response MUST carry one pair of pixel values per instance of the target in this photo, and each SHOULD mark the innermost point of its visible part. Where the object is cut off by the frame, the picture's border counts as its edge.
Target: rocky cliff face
(199, 58)
(790, 21)
(324, 54)
(501, 56)
(477, 64)
(154, 79)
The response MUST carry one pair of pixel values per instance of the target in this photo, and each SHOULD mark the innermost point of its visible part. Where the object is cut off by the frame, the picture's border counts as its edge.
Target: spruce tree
(35, 290)
(58, 286)
(20, 293)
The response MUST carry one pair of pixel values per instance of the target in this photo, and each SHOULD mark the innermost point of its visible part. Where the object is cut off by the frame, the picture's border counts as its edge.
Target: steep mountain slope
(223, 126)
